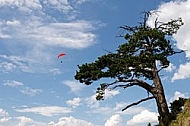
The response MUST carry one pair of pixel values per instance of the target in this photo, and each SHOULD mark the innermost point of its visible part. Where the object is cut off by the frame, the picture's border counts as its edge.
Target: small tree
(176, 107)
(135, 63)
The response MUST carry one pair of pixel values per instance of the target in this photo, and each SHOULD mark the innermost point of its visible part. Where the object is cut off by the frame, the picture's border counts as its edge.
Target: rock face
(183, 119)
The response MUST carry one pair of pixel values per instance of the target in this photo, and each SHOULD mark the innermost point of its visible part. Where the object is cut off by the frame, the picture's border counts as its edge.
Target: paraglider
(60, 55)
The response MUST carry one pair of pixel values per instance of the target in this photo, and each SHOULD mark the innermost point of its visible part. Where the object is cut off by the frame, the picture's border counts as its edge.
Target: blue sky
(36, 89)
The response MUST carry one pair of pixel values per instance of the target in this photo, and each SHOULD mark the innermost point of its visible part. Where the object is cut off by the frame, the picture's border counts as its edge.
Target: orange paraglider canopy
(60, 55)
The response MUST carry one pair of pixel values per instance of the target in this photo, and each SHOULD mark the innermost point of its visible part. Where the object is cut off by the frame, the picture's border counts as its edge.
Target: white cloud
(13, 23)
(176, 96)
(114, 120)
(73, 85)
(35, 37)
(183, 72)
(12, 83)
(81, 1)
(30, 91)
(7, 120)
(4, 116)
(174, 10)
(119, 106)
(106, 110)
(32, 28)
(23, 121)
(74, 103)
(144, 117)
(70, 121)
(76, 34)
(7, 67)
(32, 61)
(92, 102)
(55, 71)
(111, 109)
(4, 36)
(131, 111)
(110, 93)
(52, 110)
(14, 63)
(40, 27)
(61, 5)
(23, 89)
(23, 5)
(170, 68)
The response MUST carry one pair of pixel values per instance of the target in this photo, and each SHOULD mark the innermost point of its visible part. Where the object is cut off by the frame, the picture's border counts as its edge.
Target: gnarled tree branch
(136, 103)
(130, 83)
(140, 83)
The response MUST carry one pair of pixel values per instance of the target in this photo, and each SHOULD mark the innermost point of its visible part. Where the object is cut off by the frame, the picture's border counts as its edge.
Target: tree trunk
(164, 115)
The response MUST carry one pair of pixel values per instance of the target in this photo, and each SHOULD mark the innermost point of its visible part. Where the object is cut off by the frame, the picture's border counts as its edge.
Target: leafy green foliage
(176, 107)
(171, 27)
(136, 58)
(143, 48)
(183, 117)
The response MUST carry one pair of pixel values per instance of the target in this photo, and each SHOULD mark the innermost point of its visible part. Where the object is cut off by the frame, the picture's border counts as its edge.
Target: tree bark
(164, 115)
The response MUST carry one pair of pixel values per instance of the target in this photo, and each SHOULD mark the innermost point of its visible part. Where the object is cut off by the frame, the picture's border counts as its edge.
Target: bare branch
(181, 51)
(125, 85)
(140, 83)
(130, 83)
(107, 51)
(162, 67)
(128, 28)
(136, 103)
(156, 22)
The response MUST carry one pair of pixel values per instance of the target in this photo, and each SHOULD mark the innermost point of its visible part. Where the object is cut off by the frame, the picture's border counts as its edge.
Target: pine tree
(135, 63)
